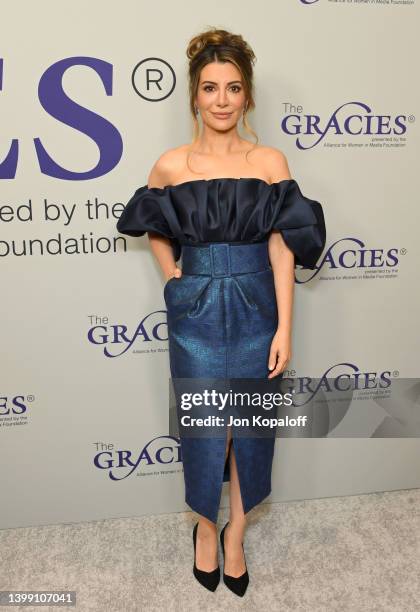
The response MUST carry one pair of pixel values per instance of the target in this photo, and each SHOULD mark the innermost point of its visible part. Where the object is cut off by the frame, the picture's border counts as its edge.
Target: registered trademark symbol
(30, 398)
(395, 373)
(153, 79)
(403, 251)
(411, 118)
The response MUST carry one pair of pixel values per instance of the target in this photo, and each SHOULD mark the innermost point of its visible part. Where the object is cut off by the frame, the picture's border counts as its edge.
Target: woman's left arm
(282, 261)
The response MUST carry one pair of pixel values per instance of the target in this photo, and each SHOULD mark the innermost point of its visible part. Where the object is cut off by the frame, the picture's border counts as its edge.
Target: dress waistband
(225, 258)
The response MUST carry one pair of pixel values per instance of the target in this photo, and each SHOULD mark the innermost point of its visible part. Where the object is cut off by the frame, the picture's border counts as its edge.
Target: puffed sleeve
(301, 222)
(143, 214)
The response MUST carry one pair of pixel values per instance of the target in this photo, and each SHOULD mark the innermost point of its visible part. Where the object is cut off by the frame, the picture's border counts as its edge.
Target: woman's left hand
(280, 352)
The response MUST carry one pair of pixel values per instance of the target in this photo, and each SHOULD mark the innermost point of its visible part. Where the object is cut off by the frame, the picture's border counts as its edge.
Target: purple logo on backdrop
(116, 339)
(343, 389)
(351, 253)
(57, 104)
(161, 451)
(329, 382)
(356, 120)
(14, 405)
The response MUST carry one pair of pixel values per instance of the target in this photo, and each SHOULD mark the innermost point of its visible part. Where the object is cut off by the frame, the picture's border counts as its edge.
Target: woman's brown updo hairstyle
(216, 45)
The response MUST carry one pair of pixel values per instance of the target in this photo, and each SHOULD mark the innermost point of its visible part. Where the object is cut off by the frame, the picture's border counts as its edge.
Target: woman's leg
(234, 532)
(206, 548)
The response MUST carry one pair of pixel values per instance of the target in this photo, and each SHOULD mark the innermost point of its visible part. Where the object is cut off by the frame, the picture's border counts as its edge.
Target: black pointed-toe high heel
(237, 585)
(209, 580)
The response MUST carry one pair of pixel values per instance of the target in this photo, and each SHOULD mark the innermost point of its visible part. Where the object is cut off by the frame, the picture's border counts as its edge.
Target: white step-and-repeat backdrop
(85, 368)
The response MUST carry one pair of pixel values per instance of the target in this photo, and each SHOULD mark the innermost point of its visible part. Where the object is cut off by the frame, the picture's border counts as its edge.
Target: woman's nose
(222, 98)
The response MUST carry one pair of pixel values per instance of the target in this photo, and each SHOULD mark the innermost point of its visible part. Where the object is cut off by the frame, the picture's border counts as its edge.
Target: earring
(196, 110)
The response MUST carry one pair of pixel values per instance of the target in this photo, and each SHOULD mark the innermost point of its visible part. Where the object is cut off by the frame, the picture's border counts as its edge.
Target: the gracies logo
(120, 463)
(328, 399)
(116, 339)
(351, 118)
(351, 253)
(340, 377)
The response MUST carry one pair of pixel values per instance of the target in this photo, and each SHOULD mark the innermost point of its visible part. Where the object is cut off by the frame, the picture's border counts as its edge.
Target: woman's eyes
(237, 88)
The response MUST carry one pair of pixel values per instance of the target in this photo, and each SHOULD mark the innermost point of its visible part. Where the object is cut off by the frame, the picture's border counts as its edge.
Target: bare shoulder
(275, 161)
(167, 166)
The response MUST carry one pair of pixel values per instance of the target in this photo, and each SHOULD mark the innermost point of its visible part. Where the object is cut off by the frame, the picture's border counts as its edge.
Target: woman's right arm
(162, 250)
(160, 245)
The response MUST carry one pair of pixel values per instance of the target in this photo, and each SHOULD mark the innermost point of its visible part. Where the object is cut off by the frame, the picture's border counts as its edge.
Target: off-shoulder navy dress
(222, 312)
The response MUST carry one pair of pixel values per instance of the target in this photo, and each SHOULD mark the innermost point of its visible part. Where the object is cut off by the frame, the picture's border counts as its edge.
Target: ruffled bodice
(228, 210)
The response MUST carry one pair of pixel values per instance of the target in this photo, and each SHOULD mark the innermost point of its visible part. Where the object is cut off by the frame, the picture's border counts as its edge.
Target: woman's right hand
(177, 273)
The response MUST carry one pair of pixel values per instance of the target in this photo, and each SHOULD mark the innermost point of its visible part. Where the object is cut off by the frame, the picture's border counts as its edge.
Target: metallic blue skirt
(222, 316)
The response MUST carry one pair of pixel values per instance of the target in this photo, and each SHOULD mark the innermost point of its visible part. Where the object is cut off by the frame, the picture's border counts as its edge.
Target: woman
(241, 223)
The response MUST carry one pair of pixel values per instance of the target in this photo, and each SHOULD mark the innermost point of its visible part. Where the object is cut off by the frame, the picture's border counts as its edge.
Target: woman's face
(220, 95)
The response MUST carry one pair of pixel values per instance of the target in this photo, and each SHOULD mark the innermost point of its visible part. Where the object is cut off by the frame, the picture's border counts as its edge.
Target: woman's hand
(280, 352)
(177, 273)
